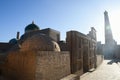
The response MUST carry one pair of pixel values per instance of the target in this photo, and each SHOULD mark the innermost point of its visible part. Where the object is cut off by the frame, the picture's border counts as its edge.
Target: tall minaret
(108, 33)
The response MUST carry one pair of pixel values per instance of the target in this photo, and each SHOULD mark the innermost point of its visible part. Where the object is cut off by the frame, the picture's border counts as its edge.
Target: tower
(108, 33)
(109, 48)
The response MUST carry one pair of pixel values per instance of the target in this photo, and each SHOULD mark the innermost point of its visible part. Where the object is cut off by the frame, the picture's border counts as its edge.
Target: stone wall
(33, 65)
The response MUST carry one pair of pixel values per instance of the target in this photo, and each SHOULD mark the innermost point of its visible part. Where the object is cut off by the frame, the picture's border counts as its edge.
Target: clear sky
(61, 15)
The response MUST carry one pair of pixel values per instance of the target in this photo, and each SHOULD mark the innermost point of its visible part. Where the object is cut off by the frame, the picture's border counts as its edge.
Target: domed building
(31, 27)
(30, 30)
(35, 39)
(39, 42)
(13, 41)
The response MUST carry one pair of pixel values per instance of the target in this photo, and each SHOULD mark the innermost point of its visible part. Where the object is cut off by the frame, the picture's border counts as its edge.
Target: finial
(32, 22)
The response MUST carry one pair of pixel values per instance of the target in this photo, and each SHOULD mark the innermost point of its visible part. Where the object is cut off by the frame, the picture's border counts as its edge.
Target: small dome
(31, 27)
(13, 41)
(40, 42)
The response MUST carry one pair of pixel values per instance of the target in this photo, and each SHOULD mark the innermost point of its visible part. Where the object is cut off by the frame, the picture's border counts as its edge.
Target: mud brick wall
(92, 54)
(99, 59)
(2, 61)
(55, 35)
(82, 52)
(20, 65)
(74, 43)
(99, 55)
(52, 65)
(34, 65)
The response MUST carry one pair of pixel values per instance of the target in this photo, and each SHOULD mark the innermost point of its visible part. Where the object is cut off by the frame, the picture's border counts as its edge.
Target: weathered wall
(2, 60)
(20, 65)
(117, 52)
(4, 47)
(52, 65)
(63, 46)
(99, 59)
(55, 35)
(76, 52)
(33, 65)
(89, 54)
(82, 52)
(99, 54)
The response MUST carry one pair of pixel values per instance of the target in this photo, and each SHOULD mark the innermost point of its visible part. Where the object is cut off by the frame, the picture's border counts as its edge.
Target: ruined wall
(52, 65)
(33, 65)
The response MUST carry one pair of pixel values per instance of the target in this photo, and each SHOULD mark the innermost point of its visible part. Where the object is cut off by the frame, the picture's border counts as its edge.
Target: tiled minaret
(109, 48)
(108, 32)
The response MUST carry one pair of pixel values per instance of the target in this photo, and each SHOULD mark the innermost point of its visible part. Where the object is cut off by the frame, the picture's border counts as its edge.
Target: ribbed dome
(40, 42)
(13, 41)
(31, 27)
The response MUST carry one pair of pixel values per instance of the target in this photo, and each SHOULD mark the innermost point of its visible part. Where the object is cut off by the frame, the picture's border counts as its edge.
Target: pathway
(108, 70)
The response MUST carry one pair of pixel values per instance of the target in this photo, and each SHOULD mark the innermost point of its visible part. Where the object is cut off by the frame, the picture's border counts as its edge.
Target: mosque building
(39, 54)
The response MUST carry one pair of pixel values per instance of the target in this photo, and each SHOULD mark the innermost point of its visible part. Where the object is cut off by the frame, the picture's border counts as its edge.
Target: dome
(39, 42)
(13, 41)
(31, 27)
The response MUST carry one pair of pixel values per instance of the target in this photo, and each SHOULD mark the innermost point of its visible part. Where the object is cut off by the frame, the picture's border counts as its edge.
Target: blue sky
(61, 15)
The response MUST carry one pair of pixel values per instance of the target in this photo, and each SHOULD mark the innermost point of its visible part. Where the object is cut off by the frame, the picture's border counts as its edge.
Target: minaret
(108, 33)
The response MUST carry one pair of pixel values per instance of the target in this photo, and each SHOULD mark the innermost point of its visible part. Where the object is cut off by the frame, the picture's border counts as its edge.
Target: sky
(61, 15)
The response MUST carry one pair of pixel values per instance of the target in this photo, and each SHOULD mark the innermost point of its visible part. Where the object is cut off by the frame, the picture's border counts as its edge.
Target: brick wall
(52, 65)
(82, 52)
(33, 65)
(20, 65)
(55, 35)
